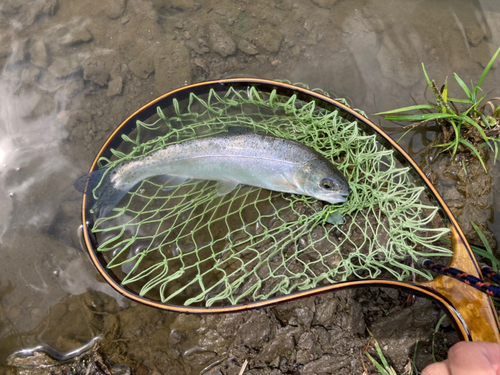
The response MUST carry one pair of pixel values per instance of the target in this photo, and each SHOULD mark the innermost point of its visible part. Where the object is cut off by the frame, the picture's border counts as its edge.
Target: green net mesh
(185, 245)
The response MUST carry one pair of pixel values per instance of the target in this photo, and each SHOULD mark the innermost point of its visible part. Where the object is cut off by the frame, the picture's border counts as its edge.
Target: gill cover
(320, 179)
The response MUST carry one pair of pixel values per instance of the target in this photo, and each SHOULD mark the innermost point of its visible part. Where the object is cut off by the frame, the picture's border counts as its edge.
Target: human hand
(468, 358)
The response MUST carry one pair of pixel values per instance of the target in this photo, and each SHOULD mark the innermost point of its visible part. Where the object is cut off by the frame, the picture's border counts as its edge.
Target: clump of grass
(436, 331)
(487, 252)
(382, 367)
(472, 128)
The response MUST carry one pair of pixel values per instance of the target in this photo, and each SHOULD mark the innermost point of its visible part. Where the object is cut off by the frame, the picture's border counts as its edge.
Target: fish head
(320, 179)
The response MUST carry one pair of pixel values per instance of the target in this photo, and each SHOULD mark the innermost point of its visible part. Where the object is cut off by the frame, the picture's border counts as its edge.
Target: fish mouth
(338, 198)
(342, 194)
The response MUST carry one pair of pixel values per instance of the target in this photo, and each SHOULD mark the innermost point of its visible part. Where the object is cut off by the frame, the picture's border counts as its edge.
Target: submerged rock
(63, 67)
(95, 70)
(72, 35)
(265, 37)
(116, 8)
(143, 65)
(325, 3)
(39, 55)
(220, 41)
(246, 47)
(115, 87)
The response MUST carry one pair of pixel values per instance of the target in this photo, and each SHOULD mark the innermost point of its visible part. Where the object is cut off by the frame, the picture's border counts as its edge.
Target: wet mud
(318, 335)
(72, 71)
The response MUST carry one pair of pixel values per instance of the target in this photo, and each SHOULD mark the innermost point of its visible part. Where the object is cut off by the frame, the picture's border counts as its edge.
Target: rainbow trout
(230, 159)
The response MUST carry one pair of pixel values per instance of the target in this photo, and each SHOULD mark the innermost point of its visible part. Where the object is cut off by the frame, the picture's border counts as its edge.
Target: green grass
(383, 367)
(470, 128)
(436, 330)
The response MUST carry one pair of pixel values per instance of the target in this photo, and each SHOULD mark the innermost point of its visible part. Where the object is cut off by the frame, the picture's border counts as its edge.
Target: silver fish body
(251, 159)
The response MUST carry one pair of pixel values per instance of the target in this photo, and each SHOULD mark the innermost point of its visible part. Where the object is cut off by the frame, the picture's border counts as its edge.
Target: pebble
(70, 36)
(325, 3)
(19, 51)
(220, 41)
(30, 75)
(38, 54)
(246, 47)
(115, 87)
(10, 7)
(63, 67)
(475, 33)
(143, 65)
(265, 37)
(94, 70)
(51, 7)
(115, 8)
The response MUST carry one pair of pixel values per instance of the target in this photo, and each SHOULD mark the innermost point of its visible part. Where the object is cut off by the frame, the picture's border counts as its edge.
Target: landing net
(185, 245)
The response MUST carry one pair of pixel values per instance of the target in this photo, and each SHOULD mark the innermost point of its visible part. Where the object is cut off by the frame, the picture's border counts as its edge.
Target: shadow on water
(72, 71)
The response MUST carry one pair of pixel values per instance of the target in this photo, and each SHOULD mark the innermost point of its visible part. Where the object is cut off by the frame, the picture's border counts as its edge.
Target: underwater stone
(44, 107)
(220, 41)
(94, 70)
(30, 75)
(265, 37)
(143, 66)
(51, 7)
(116, 8)
(38, 54)
(246, 47)
(61, 67)
(115, 87)
(474, 34)
(325, 3)
(70, 36)
(10, 7)
(19, 51)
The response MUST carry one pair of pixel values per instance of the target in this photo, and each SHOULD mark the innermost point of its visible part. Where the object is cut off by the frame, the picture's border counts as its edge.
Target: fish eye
(327, 183)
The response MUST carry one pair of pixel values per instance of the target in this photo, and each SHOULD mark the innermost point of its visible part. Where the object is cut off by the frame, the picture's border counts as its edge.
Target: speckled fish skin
(251, 159)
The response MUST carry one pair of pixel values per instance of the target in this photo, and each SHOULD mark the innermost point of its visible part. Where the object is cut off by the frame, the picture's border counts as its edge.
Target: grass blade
(474, 150)
(411, 108)
(422, 117)
(478, 251)
(445, 91)
(467, 101)
(409, 130)
(485, 71)
(477, 126)
(426, 76)
(487, 246)
(436, 330)
(414, 370)
(464, 87)
(456, 129)
(377, 365)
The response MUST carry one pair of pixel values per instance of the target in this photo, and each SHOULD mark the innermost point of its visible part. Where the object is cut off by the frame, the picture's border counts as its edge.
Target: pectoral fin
(169, 182)
(226, 186)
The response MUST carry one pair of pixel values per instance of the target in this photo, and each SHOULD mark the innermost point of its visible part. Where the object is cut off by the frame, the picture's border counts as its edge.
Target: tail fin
(108, 195)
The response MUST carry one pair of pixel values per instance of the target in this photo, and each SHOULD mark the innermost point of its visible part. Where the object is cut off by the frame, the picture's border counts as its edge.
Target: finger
(474, 358)
(438, 368)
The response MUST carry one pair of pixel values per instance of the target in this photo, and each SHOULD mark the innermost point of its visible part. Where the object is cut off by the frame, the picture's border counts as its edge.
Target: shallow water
(72, 71)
